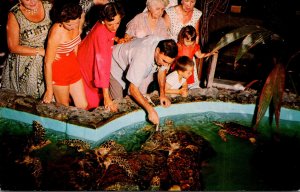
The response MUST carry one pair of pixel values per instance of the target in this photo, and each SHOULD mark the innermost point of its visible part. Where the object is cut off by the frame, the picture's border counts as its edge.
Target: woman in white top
(182, 15)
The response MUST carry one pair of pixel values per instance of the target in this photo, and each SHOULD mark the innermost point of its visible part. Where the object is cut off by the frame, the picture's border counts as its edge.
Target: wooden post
(199, 67)
(212, 70)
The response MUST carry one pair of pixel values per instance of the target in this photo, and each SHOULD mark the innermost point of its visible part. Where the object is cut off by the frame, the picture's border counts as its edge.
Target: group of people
(49, 60)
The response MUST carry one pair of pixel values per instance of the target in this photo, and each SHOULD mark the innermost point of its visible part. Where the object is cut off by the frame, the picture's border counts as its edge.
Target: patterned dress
(24, 74)
(176, 25)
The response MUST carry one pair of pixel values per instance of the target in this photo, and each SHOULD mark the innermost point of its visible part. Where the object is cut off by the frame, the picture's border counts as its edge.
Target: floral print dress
(21, 73)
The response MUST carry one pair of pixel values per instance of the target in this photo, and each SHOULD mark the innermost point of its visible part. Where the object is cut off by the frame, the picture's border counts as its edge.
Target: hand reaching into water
(153, 116)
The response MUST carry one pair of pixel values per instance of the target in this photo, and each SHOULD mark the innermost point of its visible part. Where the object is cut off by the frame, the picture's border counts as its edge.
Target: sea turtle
(185, 161)
(77, 144)
(236, 130)
(34, 167)
(161, 141)
(109, 147)
(39, 132)
(112, 153)
(37, 139)
(184, 166)
(155, 141)
(169, 122)
(120, 186)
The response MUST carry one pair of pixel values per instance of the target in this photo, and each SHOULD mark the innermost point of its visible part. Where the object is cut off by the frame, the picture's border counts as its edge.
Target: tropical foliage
(273, 89)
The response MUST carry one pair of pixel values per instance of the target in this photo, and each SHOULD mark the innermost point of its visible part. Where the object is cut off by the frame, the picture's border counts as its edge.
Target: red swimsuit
(65, 71)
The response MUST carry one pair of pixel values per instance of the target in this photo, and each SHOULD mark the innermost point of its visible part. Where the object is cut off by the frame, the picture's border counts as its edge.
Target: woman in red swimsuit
(62, 73)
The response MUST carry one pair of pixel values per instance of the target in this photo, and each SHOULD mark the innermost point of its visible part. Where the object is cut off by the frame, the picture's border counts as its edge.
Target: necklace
(31, 11)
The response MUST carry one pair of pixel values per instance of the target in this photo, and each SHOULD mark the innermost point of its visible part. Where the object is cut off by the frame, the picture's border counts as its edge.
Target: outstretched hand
(153, 117)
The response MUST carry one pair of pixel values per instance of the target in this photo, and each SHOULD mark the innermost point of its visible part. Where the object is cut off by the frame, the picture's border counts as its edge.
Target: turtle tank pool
(200, 146)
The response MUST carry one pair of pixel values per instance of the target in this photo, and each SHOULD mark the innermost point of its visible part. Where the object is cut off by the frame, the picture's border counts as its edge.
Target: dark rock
(100, 115)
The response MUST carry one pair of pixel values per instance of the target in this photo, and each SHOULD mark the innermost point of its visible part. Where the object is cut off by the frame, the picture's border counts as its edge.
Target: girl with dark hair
(62, 73)
(188, 46)
(90, 14)
(94, 56)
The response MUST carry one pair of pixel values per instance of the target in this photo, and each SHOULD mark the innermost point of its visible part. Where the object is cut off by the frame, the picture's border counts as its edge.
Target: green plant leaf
(237, 34)
(265, 97)
(251, 41)
(278, 91)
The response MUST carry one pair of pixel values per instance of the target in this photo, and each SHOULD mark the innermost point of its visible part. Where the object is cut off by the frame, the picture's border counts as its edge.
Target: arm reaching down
(164, 101)
(141, 100)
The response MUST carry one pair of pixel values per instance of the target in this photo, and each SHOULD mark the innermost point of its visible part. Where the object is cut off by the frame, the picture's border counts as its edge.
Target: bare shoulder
(11, 17)
(56, 32)
(57, 29)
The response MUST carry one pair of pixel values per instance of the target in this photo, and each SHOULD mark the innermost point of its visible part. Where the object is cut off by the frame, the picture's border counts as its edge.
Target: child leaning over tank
(176, 81)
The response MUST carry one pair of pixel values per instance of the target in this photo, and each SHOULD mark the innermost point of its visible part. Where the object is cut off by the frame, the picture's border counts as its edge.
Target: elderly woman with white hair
(168, 3)
(149, 22)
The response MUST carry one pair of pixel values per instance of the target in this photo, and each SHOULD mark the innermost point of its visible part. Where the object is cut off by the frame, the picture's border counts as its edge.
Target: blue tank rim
(138, 116)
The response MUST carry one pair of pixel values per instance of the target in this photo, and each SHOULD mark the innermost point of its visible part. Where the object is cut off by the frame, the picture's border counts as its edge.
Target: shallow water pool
(271, 163)
(238, 164)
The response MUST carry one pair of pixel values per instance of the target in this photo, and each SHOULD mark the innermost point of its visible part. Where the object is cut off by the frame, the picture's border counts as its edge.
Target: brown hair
(168, 47)
(182, 63)
(110, 10)
(187, 32)
(66, 12)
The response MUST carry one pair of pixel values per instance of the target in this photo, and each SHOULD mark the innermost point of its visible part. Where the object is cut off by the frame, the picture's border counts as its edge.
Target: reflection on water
(271, 163)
